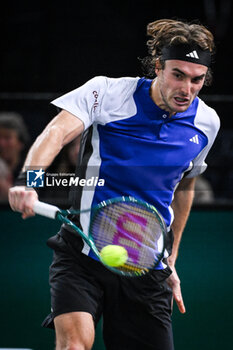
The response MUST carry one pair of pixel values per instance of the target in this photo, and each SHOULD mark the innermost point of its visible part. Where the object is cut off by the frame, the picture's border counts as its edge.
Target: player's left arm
(181, 205)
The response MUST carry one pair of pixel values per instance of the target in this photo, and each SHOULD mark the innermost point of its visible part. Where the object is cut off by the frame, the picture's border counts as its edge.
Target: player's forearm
(181, 206)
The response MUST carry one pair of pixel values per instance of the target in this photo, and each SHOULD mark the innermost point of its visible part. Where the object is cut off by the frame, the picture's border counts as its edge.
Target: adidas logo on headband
(187, 52)
(193, 54)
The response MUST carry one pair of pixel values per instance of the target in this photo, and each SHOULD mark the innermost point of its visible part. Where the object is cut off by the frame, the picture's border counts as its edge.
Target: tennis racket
(124, 221)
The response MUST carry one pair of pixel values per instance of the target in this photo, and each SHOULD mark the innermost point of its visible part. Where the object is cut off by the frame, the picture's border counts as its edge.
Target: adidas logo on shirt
(193, 54)
(194, 139)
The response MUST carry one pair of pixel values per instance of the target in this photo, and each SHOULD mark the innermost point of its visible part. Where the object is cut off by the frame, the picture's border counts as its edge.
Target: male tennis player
(148, 139)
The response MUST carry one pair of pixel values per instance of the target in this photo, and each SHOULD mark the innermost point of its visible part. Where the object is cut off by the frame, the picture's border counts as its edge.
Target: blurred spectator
(203, 191)
(6, 181)
(14, 138)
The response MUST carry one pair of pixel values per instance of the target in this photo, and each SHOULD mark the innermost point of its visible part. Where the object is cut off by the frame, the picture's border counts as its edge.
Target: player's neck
(157, 98)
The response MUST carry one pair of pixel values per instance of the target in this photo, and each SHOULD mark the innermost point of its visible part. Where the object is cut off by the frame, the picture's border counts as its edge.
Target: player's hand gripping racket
(119, 222)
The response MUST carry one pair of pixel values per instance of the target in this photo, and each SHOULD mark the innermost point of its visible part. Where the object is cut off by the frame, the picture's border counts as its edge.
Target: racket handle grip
(44, 209)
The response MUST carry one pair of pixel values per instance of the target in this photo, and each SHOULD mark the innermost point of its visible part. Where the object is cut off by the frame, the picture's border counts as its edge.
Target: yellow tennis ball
(114, 255)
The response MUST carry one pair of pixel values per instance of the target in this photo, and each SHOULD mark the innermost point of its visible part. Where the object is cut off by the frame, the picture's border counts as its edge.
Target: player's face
(178, 84)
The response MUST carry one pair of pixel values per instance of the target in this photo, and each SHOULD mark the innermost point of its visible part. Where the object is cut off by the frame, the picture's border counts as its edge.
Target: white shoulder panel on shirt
(101, 100)
(207, 121)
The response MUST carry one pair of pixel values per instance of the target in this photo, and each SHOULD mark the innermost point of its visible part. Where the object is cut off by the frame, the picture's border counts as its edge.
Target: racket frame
(62, 214)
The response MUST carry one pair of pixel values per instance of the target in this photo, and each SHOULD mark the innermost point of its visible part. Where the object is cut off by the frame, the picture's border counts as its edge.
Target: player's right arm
(60, 131)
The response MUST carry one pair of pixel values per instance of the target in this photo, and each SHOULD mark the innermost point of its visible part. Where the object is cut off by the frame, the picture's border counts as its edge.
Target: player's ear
(158, 66)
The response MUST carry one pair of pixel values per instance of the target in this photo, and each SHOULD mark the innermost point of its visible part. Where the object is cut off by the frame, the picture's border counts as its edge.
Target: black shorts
(136, 311)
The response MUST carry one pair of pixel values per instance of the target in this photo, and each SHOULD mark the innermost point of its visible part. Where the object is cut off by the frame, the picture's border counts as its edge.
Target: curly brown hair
(165, 32)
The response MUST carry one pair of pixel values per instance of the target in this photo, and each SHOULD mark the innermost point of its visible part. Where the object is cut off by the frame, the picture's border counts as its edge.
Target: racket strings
(132, 226)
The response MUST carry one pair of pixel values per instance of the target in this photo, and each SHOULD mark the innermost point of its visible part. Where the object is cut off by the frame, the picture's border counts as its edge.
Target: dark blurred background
(56, 46)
